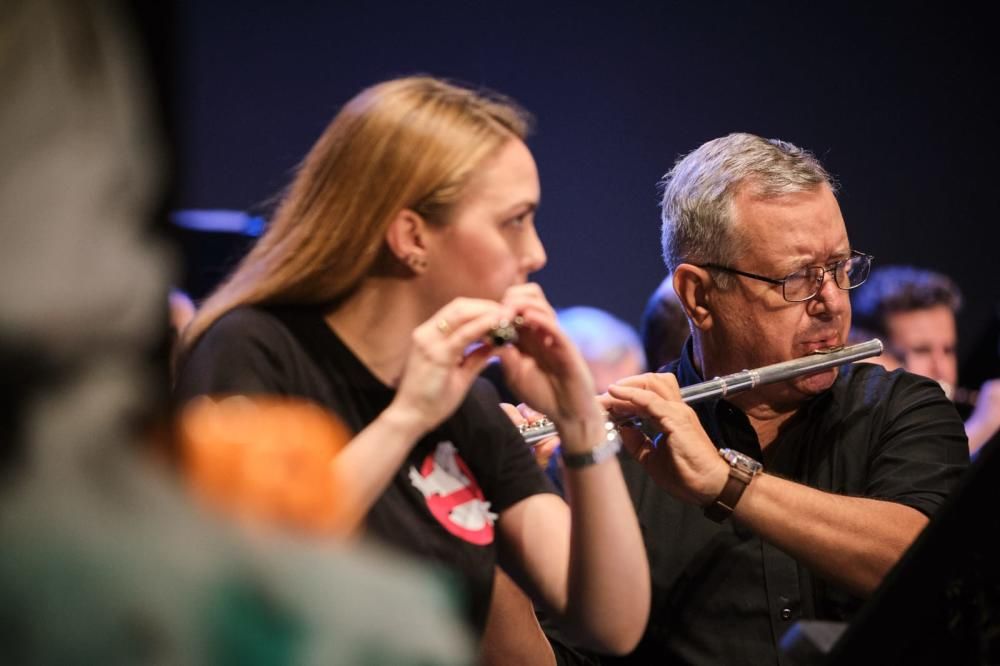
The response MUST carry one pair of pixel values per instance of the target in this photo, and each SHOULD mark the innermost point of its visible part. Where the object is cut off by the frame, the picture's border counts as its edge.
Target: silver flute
(738, 382)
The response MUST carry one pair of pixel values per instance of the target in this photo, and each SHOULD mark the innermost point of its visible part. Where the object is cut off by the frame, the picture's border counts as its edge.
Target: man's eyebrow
(801, 261)
(796, 263)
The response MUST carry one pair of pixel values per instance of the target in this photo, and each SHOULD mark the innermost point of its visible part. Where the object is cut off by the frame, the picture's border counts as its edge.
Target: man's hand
(683, 460)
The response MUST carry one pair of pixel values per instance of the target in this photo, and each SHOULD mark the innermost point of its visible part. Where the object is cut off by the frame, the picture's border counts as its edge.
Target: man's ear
(407, 239)
(693, 286)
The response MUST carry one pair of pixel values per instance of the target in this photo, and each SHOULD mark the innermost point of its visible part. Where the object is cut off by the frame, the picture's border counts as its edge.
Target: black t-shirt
(721, 595)
(444, 500)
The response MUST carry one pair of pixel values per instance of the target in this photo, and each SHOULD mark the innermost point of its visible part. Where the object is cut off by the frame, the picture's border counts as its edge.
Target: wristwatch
(606, 449)
(742, 469)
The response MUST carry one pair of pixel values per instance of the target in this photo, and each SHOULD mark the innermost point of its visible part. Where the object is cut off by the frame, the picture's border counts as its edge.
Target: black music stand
(941, 603)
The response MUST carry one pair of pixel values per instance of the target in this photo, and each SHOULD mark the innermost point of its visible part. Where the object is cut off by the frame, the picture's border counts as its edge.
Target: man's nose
(939, 363)
(830, 298)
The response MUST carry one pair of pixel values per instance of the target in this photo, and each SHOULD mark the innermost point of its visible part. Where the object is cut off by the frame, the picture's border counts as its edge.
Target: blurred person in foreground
(104, 558)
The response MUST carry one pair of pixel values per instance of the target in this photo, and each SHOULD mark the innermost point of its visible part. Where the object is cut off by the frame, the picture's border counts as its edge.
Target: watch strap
(608, 448)
(725, 503)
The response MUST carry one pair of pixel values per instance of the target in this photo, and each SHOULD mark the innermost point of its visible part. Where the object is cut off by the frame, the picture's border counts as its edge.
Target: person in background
(664, 326)
(610, 347)
(887, 359)
(914, 310)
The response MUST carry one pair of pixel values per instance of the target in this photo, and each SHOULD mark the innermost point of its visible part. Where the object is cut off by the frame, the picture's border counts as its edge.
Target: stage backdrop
(894, 103)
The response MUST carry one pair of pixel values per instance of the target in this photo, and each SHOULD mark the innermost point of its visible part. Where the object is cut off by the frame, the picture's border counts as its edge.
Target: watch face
(740, 460)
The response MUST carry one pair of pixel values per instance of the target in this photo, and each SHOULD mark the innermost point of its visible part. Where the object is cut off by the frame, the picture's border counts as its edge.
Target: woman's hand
(524, 415)
(446, 356)
(547, 371)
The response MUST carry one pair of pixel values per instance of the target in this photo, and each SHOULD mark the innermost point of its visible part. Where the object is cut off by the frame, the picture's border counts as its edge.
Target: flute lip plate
(826, 350)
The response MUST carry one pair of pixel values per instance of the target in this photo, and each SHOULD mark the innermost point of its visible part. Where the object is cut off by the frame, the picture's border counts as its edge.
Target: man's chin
(816, 383)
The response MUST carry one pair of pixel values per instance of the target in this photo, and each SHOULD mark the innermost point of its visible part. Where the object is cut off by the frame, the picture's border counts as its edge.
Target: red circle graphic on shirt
(454, 496)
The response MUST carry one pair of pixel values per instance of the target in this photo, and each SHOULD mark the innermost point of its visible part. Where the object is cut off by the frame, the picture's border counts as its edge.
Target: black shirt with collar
(722, 595)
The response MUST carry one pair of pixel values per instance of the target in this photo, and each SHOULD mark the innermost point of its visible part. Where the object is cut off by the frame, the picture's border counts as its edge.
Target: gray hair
(698, 193)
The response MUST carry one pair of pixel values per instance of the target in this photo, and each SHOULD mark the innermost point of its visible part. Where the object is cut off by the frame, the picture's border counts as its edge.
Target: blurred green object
(133, 574)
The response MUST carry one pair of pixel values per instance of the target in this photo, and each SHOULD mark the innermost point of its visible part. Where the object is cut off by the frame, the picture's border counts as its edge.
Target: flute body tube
(738, 382)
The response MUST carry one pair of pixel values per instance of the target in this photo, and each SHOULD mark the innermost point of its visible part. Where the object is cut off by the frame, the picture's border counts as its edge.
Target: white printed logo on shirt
(453, 495)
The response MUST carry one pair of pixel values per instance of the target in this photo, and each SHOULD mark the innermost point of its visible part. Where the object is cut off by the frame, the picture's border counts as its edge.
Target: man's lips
(821, 343)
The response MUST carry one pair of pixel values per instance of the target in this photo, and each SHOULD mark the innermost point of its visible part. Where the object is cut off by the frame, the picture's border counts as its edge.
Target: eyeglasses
(806, 282)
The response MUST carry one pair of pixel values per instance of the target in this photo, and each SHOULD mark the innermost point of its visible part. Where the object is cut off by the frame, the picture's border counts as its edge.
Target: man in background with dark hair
(664, 326)
(913, 310)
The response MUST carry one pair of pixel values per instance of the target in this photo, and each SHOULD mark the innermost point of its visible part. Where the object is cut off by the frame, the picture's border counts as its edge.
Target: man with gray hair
(792, 501)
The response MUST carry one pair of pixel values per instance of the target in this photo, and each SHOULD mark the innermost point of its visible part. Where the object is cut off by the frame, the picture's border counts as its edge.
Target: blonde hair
(409, 143)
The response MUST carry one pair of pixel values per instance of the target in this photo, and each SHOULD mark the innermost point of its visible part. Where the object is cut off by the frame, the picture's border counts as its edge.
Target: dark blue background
(894, 101)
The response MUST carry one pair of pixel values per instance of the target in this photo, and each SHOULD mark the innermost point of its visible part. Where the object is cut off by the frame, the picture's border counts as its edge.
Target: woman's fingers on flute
(529, 295)
(530, 415)
(539, 331)
(461, 323)
(544, 450)
(443, 361)
(475, 361)
(513, 414)
(521, 415)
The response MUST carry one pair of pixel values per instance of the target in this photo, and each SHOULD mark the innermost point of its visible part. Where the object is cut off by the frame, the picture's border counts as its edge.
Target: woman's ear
(407, 239)
(693, 286)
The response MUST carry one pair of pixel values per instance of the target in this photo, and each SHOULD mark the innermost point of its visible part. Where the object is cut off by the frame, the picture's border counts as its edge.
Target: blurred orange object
(266, 460)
